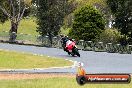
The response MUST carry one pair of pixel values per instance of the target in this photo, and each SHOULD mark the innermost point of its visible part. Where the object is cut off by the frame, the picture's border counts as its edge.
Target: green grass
(26, 30)
(55, 83)
(16, 60)
(26, 26)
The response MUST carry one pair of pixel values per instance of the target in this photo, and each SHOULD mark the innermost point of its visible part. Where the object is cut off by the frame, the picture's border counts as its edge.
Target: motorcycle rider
(69, 41)
(64, 41)
(67, 44)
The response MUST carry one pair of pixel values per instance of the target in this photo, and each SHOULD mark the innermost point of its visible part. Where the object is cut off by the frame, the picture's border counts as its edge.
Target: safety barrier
(81, 44)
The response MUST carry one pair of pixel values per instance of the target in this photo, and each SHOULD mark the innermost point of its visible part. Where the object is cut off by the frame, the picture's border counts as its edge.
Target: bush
(88, 23)
(109, 36)
(64, 30)
(124, 40)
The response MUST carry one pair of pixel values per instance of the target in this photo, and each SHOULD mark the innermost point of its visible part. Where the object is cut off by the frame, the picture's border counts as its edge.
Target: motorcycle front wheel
(76, 51)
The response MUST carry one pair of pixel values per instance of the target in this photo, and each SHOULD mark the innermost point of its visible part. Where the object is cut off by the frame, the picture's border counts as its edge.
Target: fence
(81, 44)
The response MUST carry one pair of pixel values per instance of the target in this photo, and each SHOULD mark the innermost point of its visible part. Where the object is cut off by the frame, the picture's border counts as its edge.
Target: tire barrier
(99, 47)
(56, 43)
(80, 44)
(88, 46)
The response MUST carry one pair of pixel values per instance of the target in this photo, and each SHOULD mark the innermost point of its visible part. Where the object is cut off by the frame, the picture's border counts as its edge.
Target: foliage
(14, 10)
(113, 36)
(64, 30)
(50, 16)
(122, 10)
(98, 4)
(124, 40)
(3, 17)
(91, 2)
(10, 8)
(109, 36)
(88, 23)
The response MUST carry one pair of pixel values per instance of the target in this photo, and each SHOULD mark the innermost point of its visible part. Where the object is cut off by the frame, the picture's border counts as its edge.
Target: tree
(87, 24)
(109, 36)
(50, 16)
(14, 11)
(122, 10)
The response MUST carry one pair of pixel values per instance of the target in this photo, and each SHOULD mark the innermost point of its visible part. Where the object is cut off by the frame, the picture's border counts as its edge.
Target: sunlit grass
(57, 82)
(13, 60)
(26, 26)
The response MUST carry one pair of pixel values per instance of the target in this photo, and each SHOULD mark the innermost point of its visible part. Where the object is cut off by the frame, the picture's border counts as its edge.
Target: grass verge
(17, 60)
(57, 82)
(27, 26)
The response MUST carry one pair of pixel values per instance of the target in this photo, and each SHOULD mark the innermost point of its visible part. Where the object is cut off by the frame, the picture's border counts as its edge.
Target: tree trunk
(50, 39)
(13, 32)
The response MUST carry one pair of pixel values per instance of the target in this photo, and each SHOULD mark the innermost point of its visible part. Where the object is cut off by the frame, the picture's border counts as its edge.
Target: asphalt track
(94, 62)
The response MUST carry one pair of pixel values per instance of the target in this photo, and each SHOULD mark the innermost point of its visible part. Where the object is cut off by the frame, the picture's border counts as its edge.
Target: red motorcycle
(71, 48)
